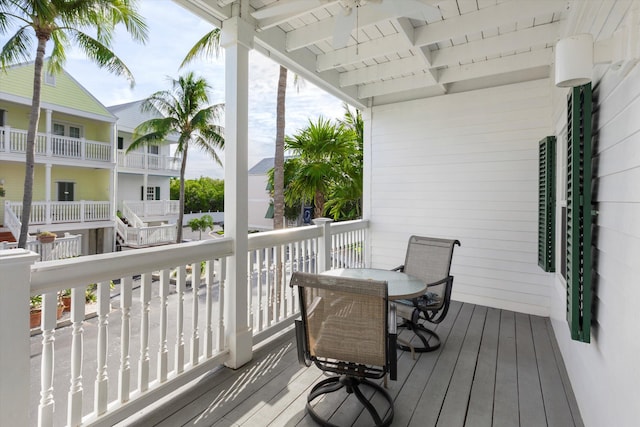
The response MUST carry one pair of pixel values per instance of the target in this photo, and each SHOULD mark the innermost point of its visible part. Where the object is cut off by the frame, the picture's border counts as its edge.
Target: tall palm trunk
(278, 170)
(34, 118)
(183, 168)
(318, 202)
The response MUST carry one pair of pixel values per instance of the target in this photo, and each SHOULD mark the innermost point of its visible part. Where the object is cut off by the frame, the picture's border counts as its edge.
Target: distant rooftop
(264, 165)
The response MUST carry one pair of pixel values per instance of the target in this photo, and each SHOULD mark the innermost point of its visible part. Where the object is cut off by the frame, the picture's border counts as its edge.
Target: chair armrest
(398, 268)
(301, 342)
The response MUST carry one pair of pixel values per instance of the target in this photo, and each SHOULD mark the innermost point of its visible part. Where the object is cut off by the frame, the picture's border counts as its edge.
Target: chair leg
(352, 386)
(423, 334)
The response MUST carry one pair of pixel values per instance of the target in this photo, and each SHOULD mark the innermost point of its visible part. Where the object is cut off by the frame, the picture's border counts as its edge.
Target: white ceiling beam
(487, 18)
(208, 10)
(497, 45)
(507, 64)
(406, 28)
(382, 71)
(398, 85)
(513, 63)
(269, 22)
(362, 52)
(323, 30)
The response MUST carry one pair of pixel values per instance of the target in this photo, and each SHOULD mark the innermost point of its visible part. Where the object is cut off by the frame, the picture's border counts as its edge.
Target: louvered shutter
(547, 204)
(579, 222)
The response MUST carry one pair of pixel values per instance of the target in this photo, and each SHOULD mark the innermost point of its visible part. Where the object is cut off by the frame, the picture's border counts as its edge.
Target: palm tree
(186, 112)
(63, 22)
(320, 151)
(278, 160)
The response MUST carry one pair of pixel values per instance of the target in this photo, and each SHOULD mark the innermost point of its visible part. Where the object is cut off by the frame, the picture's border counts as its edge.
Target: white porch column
(49, 129)
(237, 40)
(145, 184)
(47, 192)
(366, 176)
(15, 286)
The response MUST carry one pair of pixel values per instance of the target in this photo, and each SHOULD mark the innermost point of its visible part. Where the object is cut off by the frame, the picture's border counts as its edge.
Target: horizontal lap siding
(604, 374)
(465, 166)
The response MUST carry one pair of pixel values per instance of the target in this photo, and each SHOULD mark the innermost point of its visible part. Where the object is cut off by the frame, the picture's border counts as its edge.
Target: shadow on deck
(495, 368)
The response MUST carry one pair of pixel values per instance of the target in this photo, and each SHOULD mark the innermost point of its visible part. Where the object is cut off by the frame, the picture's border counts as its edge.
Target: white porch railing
(11, 220)
(153, 208)
(65, 247)
(139, 237)
(133, 218)
(62, 212)
(147, 161)
(121, 374)
(15, 141)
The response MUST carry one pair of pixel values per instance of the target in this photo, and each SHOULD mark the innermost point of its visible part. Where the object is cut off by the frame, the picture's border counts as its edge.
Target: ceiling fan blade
(342, 30)
(286, 7)
(411, 9)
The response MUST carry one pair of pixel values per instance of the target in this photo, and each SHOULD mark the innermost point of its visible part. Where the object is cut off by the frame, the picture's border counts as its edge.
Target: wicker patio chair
(344, 331)
(428, 259)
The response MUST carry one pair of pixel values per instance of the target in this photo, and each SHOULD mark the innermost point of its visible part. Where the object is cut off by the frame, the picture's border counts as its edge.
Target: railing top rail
(52, 276)
(280, 237)
(344, 226)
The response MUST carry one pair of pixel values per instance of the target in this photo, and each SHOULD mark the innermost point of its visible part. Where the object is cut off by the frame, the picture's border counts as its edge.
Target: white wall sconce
(576, 55)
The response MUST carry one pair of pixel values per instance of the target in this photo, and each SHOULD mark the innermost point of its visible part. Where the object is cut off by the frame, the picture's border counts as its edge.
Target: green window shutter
(142, 193)
(579, 221)
(547, 204)
(157, 193)
(269, 214)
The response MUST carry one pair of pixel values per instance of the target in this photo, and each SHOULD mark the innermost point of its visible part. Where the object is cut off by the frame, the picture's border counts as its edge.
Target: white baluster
(74, 411)
(102, 378)
(250, 299)
(145, 299)
(124, 379)
(270, 291)
(48, 326)
(208, 335)
(163, 351)
(195, 332)
(181, 279)
(260, 290)
(222, 279)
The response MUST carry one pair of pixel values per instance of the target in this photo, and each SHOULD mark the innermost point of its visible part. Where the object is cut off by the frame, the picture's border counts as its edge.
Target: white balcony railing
(187, 338)
(153, 208)
(65, 247)
(62, 212)
(140, 237)
(15, 141)
(148, 161)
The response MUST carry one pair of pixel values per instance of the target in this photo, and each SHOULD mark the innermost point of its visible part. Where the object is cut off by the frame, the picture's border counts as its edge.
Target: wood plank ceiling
(402, 49)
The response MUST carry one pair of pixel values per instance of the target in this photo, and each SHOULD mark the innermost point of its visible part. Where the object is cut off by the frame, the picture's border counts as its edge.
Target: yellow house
(74, 179)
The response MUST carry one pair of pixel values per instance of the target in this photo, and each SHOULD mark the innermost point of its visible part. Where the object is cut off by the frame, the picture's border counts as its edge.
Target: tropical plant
(62, 22)
(344, 200)
(186, 112)
(320, 151)
(203, 194)
(201, 224)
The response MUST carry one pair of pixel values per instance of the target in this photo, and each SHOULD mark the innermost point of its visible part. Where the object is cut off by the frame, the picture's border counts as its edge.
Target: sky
(172, 32)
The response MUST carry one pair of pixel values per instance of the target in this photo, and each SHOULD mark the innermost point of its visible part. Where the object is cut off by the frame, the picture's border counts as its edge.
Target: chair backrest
(344, 319)
(429, 258)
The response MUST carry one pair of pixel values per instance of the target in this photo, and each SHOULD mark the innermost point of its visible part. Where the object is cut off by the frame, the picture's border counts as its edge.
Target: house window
(49, 79)
(2, 117)
(120, 143)
(152, 193)
(152, 149)
(58, 129)
(74, 132)
(62, 129)
(65, 191)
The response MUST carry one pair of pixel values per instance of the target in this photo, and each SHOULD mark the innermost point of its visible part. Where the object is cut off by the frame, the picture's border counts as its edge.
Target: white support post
(48, 137)
(15, 270)
(47, 192)
(237, 40)
(324, 244)
(367, 175)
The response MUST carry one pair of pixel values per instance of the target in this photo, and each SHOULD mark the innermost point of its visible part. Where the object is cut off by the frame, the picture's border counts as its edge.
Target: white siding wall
(129, 186)
(259, 201)
(464, 166)
(604, 373)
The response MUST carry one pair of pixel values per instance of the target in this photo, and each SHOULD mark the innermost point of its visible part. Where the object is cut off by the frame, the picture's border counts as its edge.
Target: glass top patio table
(400, 285)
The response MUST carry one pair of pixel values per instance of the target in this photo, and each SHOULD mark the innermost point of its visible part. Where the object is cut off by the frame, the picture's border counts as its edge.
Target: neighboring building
(260, 201)
(144, 174)
(74, 163)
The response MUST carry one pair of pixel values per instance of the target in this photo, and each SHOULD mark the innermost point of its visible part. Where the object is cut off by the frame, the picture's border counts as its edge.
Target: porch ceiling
(431, 48)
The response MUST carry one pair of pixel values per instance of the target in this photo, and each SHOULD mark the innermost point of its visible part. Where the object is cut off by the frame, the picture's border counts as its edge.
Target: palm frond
(102, 55)
(208, 46)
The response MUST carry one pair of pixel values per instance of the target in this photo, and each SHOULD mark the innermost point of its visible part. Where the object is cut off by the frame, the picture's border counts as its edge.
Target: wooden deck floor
(495, 368)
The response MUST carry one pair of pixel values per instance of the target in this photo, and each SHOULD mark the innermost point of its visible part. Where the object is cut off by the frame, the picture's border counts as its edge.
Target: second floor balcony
(13, 141)
(138, 161)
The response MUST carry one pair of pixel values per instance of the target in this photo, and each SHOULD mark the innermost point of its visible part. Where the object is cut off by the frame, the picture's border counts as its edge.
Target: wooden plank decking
(495, 368)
